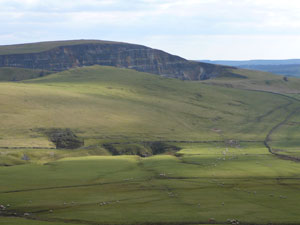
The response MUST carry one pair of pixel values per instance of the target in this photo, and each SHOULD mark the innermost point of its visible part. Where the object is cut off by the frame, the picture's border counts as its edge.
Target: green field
(221, 170)
(249, 185)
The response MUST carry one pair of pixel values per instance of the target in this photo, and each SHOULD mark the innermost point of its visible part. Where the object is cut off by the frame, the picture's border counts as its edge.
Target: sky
(194, 29)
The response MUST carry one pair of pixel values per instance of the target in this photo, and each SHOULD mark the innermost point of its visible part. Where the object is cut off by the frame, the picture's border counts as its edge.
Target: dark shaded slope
(87, 53)
(18, 74)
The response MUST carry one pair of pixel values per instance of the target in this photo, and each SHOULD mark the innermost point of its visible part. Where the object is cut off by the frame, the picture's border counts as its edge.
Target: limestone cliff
(124, 55)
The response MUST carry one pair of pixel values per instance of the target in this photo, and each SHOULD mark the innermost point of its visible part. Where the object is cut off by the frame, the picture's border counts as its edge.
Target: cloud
(228, 47)
(211, 16)
(141, 20)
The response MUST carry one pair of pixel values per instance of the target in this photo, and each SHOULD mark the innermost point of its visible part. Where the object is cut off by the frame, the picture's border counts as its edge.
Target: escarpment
(116, 54)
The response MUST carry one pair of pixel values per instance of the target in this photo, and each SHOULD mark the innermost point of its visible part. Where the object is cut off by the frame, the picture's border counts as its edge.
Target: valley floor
(205, 183)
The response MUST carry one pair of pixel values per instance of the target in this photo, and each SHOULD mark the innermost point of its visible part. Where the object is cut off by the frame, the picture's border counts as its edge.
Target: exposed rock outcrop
(123, 55)
(64, 138)
(144, 149)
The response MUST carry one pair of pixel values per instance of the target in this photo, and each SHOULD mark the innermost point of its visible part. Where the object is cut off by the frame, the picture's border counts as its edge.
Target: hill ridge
(78, 53)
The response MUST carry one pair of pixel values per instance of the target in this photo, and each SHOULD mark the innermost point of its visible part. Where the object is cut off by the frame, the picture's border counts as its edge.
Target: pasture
(207, 181)
(220, 173)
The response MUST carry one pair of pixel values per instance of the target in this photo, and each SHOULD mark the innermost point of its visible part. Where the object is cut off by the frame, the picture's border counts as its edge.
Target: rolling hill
(186, 108)
(260, 81)
(109, 145)
(106, 103)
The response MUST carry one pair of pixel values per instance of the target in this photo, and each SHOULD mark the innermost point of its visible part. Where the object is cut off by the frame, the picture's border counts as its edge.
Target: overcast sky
(194, 29)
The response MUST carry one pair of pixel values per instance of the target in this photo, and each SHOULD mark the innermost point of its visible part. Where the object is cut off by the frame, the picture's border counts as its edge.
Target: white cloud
(234, 47)
(159, 23)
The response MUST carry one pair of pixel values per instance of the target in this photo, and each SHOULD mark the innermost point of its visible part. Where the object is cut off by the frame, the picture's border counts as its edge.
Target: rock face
(64, 138)
(144, 149)
(122, 55)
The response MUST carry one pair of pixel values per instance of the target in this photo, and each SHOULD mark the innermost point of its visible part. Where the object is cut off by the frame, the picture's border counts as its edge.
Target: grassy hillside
(100, 103)
(220, 171)
(286, 139)
(257, 80)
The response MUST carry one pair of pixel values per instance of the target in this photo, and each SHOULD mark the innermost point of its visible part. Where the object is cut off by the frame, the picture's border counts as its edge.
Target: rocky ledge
(116, 54)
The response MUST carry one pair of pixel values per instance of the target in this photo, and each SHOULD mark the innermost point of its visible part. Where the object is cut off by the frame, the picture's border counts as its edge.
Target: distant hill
(290, 67)
(63, 55)
(287, 70)
(253, 62)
